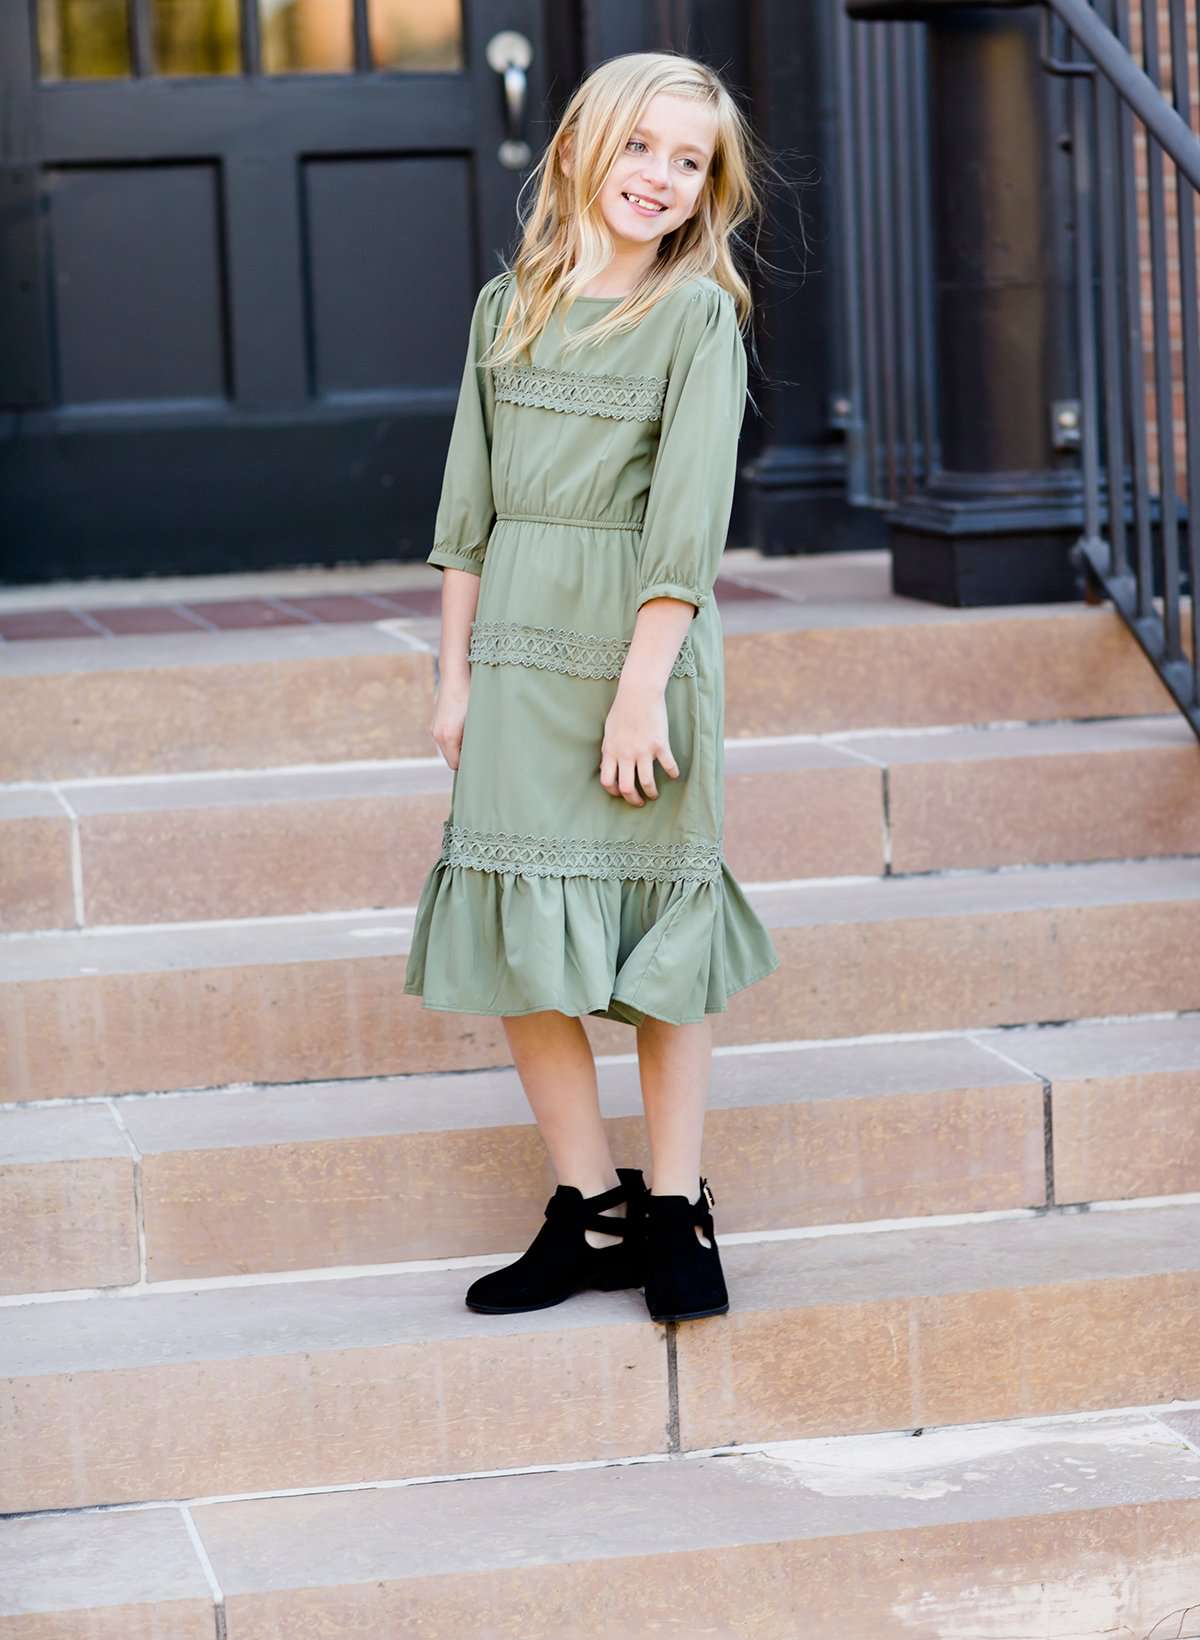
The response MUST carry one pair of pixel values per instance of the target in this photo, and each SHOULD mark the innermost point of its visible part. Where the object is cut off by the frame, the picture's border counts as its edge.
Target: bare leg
(675, 1063)
(558, 1073)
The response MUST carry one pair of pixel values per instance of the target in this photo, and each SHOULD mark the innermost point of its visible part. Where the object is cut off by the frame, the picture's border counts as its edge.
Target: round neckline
(603, 298)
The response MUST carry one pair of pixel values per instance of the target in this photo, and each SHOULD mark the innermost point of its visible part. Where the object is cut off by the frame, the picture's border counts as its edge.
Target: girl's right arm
(465, 515)
(460, 594)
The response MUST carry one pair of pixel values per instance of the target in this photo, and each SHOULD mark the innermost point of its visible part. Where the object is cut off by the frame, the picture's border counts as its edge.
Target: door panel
(137, 282)
(378, 216)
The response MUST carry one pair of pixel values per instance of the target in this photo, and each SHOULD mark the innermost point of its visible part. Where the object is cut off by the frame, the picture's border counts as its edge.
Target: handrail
(1133, 84)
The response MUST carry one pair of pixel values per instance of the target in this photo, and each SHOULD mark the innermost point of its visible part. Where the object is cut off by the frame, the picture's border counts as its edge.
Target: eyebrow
(644, 131)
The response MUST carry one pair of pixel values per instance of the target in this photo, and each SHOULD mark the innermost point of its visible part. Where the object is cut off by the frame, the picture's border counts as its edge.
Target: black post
(996, 523)
(795, 483)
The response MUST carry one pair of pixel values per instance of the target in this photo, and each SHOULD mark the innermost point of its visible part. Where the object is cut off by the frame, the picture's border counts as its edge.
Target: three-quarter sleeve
(691, 484)
(466, 510)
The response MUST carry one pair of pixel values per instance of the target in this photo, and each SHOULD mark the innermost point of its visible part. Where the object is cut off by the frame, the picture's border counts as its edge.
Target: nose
(655, 175)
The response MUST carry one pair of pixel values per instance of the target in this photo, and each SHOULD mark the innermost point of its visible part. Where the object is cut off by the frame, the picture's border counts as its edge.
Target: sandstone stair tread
(621, 1510)
(381, 1106)
(319, 1175)
(992, 1482)
(386, 931)
(71, 657)
(425, 1307)
(97, 1562)
(1087, 1050)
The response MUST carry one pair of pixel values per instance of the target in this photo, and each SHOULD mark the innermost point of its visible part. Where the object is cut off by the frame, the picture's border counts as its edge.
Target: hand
(450, 714)
(635, 733)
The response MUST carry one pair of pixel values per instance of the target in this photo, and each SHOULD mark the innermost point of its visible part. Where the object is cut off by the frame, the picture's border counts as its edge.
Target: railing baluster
(1186, 203)
(1164, 410)
(1082, 93)
(1135, 378)
(1111, 297)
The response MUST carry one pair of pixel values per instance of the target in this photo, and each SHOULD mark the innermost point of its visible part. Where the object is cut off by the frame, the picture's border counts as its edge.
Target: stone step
(983, 1529)
(343, 838)
(220, 700)
(160, 704)
(317, 1175)
(318, 998)
(338, 1174)
(294, 1384)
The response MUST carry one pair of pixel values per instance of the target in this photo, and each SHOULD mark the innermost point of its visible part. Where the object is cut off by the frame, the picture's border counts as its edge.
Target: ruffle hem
(487, 942)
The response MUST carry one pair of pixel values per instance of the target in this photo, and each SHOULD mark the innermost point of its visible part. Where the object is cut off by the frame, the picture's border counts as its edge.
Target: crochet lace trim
(582, 392)
(560, 649)
(627, 860)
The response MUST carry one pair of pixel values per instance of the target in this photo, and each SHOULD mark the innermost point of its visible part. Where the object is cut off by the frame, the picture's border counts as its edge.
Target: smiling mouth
(639, 202)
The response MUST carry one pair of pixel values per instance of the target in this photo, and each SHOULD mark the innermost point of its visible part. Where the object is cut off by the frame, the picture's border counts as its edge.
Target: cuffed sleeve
(691, 485)
(466, 510)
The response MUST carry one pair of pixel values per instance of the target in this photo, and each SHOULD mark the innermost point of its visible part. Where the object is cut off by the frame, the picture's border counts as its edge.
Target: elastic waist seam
(579, 523)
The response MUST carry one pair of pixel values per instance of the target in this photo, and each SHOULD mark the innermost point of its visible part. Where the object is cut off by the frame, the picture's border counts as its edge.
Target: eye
(635, 142)
(693, 165)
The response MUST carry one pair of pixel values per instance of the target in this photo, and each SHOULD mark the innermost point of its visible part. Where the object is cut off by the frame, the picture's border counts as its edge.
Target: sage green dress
(577, 490)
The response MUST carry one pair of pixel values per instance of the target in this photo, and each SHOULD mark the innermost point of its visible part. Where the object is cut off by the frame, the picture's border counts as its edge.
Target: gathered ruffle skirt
(498, 942)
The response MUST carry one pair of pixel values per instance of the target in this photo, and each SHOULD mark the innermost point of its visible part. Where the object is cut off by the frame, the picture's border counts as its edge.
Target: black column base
(989, 539)
(794, 504)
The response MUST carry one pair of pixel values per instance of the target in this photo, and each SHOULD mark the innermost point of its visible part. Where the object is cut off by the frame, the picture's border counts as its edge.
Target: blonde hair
(565, 242)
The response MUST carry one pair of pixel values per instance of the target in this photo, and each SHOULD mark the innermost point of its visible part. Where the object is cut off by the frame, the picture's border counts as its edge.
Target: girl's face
(657, 181)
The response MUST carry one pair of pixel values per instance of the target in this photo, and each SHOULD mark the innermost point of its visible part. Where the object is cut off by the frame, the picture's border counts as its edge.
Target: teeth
(650, 203)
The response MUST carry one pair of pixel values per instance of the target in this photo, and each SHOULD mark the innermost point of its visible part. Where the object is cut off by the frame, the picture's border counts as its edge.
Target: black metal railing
(887, 344)
(1137, 543)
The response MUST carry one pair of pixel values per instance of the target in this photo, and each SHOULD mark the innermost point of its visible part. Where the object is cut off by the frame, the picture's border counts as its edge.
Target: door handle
(510, 54)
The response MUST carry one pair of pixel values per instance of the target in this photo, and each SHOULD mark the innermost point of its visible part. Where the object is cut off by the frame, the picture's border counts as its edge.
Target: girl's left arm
(683, 534)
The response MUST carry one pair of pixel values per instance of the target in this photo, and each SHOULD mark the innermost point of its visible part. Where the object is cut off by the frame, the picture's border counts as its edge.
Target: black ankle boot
(684, 1279)
(561, 1260)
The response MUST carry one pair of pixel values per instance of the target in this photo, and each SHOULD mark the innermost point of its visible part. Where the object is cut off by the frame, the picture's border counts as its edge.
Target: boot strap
(586, 1215)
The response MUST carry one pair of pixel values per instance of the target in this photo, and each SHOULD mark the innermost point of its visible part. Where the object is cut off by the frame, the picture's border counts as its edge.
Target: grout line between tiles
(139, 1210)
(75, 849)
(206, 1566)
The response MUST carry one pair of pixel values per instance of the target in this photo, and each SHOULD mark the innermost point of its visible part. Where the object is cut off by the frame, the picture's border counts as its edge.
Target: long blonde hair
(565, 242)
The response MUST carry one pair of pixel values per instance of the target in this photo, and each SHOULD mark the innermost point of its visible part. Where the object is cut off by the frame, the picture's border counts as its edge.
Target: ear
(566, 153)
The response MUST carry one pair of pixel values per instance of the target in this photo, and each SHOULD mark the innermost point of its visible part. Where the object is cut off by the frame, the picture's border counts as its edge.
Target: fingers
(621, 777)
(627, 784)
(645, 770)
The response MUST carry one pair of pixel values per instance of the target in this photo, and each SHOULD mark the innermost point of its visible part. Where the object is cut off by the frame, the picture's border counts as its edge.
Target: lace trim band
(560, 649)
(582, 392)
(627, 860)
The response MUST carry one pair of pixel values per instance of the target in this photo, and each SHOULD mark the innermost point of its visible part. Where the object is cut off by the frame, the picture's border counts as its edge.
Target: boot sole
(691, 1315)
(549, 1304)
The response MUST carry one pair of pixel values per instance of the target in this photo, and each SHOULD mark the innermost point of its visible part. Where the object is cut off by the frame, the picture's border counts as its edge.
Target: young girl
(583, 514)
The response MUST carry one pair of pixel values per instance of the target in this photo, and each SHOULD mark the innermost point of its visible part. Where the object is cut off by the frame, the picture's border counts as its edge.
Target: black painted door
(239, 244)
